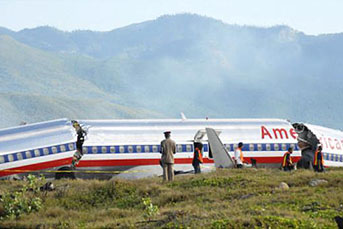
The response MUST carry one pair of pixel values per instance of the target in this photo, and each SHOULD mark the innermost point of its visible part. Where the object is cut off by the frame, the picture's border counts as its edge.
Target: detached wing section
(222, 158)
(36, 146)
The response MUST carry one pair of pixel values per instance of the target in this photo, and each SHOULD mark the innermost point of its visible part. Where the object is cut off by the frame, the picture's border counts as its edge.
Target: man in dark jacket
(318, 162)
(81, 134)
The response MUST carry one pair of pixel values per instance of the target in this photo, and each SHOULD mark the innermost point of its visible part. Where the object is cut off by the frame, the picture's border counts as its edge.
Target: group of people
(318, 160)
(168, 149)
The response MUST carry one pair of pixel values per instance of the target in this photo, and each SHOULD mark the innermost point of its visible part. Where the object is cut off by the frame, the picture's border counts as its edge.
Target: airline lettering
(278, 133)
(330, 143)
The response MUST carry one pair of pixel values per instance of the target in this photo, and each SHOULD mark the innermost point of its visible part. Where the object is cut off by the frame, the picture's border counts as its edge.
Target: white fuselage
(134, 145)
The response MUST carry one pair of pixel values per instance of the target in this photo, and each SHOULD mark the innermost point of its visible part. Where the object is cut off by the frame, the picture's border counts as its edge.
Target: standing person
(239, 159)
(197, 158)
(318, 162)
(287, 164)
(168, 149)
(81, 134)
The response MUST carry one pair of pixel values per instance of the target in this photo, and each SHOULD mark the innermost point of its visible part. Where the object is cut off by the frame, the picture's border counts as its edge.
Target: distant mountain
(158, 68)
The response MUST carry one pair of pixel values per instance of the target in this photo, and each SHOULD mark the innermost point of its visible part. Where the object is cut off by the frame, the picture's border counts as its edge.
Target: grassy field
(222, 199)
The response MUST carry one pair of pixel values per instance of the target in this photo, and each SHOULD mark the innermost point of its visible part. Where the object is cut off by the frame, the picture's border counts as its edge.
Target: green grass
(221, 199)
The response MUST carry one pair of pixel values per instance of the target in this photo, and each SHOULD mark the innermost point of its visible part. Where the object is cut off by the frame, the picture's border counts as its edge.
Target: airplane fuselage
(133, 145)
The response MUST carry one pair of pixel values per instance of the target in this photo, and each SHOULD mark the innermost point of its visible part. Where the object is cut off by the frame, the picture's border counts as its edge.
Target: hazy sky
(309, 16)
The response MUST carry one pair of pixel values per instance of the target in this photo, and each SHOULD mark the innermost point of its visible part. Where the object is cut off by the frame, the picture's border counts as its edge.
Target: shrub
(150, 210)
(23, 201)
(219, 224)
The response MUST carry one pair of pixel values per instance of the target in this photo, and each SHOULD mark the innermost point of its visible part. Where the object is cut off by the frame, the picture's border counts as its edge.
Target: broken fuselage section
(308, 143)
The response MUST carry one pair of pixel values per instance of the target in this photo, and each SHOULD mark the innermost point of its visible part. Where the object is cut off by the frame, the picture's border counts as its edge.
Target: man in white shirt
(239, 159)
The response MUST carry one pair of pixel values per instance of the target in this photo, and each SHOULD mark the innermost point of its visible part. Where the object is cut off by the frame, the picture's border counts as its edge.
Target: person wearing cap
(318, 162)
(81, 134)
(239, 159)
(287, 164)
(168, 149)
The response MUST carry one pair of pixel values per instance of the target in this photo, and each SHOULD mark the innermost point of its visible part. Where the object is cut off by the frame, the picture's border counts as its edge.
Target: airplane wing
(222, 158)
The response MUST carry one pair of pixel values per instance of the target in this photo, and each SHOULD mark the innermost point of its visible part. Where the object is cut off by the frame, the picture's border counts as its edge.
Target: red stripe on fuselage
(124, 162)
(269, 160)
(35, 167)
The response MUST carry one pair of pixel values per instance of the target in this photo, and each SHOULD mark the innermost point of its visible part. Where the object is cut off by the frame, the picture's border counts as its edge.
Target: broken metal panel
(308, 143)
(222, 158)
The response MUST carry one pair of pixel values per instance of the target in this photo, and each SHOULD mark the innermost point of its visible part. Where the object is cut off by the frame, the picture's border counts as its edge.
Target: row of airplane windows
(182, 148)
(263, 147)
(37, 153)
(132, 149)
(333, 157)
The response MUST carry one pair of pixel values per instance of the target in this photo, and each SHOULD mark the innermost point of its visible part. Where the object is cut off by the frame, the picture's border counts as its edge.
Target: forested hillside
(181, 63)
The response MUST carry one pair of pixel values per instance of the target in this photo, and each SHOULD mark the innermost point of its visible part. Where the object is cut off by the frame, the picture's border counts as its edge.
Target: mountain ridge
(183, 63)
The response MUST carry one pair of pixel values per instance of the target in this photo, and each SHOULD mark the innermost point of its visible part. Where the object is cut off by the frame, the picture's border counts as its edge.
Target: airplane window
(71, 146)
(230, 147)
(2, 159)
(10, 158)
(268, 147)
(259, 147)
(103, 149)
(336, 157)
(62, 148)
(284, 147)
(46, 151)
(85, 149)
(19, 156)
(293, 146)
(251, 147)
(54, 149)
(37, 153)
(139, 149)
(234, 147)
(341, 159)
(146, 149)
(276, 147)
(130, 149)
(28, 154)
(189, 148)
(112, 149)
(121, 149)
(154, 149)
(94, 149)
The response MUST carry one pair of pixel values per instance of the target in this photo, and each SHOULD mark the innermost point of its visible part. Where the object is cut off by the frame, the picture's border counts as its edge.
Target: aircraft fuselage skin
(133, 146)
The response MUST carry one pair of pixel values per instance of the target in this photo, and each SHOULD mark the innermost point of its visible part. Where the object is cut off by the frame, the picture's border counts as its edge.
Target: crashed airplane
(130, 148)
